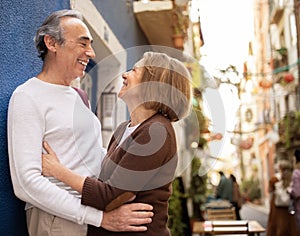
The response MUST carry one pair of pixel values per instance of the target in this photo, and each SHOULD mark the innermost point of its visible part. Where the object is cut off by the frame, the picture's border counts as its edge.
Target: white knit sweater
(55, 113)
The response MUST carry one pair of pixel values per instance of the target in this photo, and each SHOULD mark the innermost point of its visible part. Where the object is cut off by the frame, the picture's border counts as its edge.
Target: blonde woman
(142, 153)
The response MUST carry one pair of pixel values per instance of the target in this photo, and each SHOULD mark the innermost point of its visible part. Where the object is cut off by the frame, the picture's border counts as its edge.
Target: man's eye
(84, 44)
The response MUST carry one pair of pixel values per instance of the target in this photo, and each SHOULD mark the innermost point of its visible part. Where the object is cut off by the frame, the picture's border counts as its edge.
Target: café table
(228, 227)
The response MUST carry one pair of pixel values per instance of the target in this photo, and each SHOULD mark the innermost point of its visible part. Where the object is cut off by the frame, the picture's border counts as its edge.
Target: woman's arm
(144, 162)
(125, 216)
(52, 167)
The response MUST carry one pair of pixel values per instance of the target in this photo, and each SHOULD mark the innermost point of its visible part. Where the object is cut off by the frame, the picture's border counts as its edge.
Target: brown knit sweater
(145, 164)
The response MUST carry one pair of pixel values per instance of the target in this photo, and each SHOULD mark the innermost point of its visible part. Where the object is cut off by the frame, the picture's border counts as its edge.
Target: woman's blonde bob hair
(286, 169)
(166, 85)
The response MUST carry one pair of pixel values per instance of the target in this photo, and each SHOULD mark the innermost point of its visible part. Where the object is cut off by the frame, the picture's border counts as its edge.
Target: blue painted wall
(18, 61)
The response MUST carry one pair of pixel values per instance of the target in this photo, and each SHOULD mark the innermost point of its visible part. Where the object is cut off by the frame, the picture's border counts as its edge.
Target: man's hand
(128, 217)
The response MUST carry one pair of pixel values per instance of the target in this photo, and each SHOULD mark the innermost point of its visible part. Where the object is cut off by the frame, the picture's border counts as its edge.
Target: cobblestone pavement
(259, 213)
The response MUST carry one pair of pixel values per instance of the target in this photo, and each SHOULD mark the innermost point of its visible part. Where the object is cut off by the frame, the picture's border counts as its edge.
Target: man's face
(73, 55)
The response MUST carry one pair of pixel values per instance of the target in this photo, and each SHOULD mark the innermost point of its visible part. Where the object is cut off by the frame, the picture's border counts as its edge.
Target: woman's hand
(50, 162)
(52, 167)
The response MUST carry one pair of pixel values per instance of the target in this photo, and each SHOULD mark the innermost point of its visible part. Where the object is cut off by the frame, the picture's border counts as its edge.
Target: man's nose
(90, 53)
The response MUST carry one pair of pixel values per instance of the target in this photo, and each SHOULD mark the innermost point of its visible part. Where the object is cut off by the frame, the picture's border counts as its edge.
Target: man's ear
(50, 43)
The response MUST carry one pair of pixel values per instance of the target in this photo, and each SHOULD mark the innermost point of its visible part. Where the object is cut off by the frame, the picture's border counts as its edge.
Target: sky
(227, 28)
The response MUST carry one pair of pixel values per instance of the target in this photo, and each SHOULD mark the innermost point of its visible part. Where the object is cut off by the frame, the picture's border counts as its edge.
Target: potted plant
(178, 221)
(251, 189)
(180, 25)
(282, 51)
(197, 190)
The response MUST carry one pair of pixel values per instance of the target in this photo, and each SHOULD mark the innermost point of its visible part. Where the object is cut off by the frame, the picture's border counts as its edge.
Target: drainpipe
(297, 20)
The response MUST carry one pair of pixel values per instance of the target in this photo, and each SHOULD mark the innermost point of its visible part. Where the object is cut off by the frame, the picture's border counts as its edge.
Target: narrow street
(251, 211)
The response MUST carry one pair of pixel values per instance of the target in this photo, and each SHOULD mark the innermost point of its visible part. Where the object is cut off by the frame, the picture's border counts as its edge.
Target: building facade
(277, 74)
(119, 41)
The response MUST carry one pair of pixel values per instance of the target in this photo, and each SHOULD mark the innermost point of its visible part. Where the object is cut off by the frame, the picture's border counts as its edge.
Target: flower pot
(265, 83)
(178, 41)
(288, 77)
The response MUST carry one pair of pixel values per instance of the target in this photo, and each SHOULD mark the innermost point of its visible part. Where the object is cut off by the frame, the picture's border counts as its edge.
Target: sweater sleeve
(296, 184)
(26, 127)
(102, 196)
(138, 165)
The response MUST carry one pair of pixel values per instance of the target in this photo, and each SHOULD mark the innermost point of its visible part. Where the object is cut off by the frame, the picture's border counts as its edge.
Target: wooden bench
(218, 227)
(221, 214)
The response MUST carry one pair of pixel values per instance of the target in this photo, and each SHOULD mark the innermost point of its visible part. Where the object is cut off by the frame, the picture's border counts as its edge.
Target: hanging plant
(289, 128)
(180, 21)
(287, 132)
(282, 51)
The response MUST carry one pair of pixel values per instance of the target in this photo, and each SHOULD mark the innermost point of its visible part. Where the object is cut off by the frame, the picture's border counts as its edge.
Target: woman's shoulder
(159, 118)
(157, 127)
(160, 121)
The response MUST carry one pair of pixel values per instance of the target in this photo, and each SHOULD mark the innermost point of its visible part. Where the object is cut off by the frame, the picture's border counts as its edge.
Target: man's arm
(25, 133)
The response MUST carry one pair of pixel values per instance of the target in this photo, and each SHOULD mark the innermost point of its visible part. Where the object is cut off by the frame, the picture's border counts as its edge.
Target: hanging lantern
(247, 143)
(265, 83)
(244, 144)
(217, 136)
(289, 77)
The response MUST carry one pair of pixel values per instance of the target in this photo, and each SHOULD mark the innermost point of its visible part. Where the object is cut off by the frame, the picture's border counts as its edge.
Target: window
(108, 105)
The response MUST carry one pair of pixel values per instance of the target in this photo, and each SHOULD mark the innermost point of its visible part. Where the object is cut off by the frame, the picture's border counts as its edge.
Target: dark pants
(237, 210)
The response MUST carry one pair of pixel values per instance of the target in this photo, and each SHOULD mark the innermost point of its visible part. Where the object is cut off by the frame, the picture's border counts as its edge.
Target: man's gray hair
(51, 26)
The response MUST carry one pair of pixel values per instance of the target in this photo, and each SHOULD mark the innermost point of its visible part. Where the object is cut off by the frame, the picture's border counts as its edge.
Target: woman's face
(131, 80)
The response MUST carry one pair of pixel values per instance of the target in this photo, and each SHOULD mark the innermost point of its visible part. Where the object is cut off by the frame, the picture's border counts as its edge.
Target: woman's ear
(50, 43)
